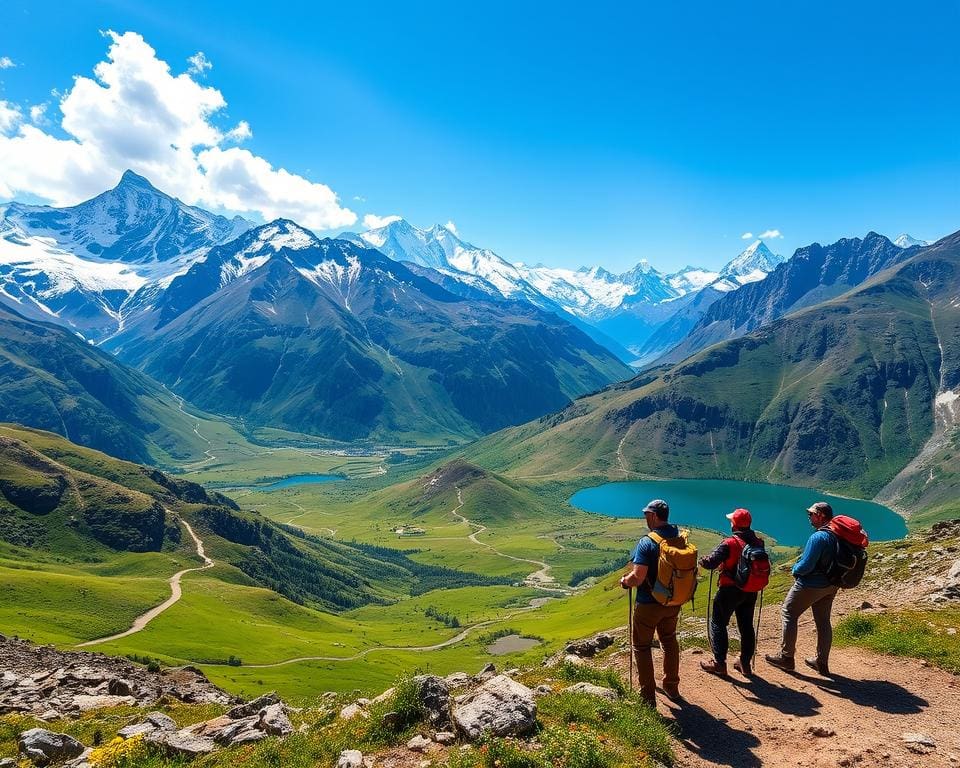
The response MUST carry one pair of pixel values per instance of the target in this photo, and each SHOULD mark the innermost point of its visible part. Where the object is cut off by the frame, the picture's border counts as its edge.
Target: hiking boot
(714, 668)
(673, 694)
(780, 662)
(743, 667)
(816, 666)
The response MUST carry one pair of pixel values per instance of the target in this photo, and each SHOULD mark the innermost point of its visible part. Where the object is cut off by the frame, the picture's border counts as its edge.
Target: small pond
(292, 480)
(511, 644)
(778, 510)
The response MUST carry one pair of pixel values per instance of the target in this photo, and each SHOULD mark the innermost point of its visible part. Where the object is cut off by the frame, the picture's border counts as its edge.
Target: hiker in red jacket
(744, 572)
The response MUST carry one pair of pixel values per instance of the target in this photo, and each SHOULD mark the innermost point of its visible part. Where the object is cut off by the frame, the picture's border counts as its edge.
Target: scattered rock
(489, 671)
(119, 687)
(821, 731)
(921, 740)
(435, 698)
(350, 758)
(445, 737)
(457, 679)
(44, 747)
(418, 743)
(85, 702)
(499, 707)
(253, 707)
(384, 696)
(594, 690)
(573, 659)
(8, 762)
(351, 711)
(273, 720)
(181, 743)
(50, 714)
(543, 690)
(590, 647)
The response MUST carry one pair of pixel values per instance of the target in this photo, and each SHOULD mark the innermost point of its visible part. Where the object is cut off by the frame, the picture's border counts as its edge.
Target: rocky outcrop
(43, 747)
(40, 680)
(499, 707)
(256, 720)
(589, 648)
(593, 690)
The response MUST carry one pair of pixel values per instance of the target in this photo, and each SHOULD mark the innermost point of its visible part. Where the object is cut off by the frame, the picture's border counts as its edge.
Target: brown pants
(820, 601)
(650, 618)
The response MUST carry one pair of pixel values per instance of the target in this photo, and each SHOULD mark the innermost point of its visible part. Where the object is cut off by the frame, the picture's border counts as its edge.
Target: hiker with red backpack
(663, 568)
(744, 572)
(834, 557)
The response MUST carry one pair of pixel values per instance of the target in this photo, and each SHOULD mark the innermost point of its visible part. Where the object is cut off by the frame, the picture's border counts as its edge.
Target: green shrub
(573, 748)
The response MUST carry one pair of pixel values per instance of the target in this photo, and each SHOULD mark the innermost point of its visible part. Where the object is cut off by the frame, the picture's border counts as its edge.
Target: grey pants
(820, 601)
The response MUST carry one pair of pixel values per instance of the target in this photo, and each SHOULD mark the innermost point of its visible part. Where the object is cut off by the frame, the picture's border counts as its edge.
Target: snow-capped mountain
(906, 241)
(80, 265)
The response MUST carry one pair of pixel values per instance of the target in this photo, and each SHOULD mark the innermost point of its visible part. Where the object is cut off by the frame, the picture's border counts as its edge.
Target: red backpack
(752, 571)
(850, 553)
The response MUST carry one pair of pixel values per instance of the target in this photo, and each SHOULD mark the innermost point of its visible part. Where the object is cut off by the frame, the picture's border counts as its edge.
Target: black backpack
(752, 571)
(848, 565)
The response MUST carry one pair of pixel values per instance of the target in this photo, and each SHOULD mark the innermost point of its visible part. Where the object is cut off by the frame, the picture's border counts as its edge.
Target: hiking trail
(175, 594)
(862, 712)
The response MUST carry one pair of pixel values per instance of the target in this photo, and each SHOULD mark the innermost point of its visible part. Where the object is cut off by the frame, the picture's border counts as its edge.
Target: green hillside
(839, 396)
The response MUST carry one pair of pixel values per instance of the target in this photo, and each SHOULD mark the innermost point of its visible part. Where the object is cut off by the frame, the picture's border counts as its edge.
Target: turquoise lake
(778, 510)
(288, 482)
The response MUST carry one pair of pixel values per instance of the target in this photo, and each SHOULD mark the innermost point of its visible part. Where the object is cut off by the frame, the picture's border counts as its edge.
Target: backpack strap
(657, 538)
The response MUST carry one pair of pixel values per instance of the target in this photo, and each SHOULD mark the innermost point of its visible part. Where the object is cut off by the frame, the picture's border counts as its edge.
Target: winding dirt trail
(539, 579)
(175, 594)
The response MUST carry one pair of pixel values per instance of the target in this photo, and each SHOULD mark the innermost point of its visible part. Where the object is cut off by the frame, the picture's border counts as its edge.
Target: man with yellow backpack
(663, 568)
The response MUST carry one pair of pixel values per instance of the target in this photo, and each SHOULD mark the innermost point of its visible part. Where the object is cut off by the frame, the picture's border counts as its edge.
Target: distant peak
(131, 179)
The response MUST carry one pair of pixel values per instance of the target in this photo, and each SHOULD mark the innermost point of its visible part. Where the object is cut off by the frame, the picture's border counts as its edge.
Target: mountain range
(843, 394)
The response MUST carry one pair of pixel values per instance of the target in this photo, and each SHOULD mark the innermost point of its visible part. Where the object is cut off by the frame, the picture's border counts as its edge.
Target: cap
(822, 508)
(741, 518)
(659, 507)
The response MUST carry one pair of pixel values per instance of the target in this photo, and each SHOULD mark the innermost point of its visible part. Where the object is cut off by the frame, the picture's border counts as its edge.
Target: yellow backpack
(676, 578)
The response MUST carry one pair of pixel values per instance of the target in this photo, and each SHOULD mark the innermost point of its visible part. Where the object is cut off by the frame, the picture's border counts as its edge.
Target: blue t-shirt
(811, 569)
(647, 552)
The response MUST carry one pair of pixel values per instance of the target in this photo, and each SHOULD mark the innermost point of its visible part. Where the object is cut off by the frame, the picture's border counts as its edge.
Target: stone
(821, 731)
(44, 747)
(351, 711)
(919, 738)
(8, 762)
(384, 696)
(489, 671)
(119, 687)
(457, 679)
(418, 743)
(445, 737)
(50, 714)
(543, 690)
(593, 690)
(435, 697)
(253, 707)
(573, 659)
(499, 707)
(86, 702)
(350, 758)
(161, 721)
(182, 743)
(274, 721)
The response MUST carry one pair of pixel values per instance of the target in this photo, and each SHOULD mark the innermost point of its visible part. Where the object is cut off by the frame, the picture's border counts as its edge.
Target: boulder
(253, 707)
(499, 707)
(418, 743)
(593, 690)
(457, 679)
(351, 711)
(44, 747)
(182, 743)
(435, 697)
(573, 659)
(119, 687)
(85, 702)
(154, 721)
(445, 737)
(350, 758)
(274, 721)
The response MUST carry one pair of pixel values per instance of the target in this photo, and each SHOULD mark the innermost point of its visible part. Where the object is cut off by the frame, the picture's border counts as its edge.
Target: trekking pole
(709, 603)
(630, 632)
(756, 643)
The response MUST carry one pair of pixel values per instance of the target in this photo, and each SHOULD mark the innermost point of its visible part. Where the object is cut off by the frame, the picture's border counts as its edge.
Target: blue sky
(592, 133)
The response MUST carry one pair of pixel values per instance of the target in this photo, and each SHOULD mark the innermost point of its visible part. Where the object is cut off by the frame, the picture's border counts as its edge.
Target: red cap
(740, 518)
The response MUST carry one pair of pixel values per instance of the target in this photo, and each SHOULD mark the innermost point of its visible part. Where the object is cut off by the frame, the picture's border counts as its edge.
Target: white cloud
(372, 221)
(134, 113)
(770, 234)
(10, 116)
(452, 227)
(241, 132)
(38, 114)
(199, 63)
(6, 62)
(747, 236)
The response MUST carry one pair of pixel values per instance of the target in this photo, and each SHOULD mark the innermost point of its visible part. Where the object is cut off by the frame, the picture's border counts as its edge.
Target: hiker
(811, 589)
(744, 572)
(663, 568)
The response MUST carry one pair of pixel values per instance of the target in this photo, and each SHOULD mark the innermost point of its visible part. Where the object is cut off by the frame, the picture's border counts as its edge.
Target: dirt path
(866, 707)
(175, 593)
(539, 579)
